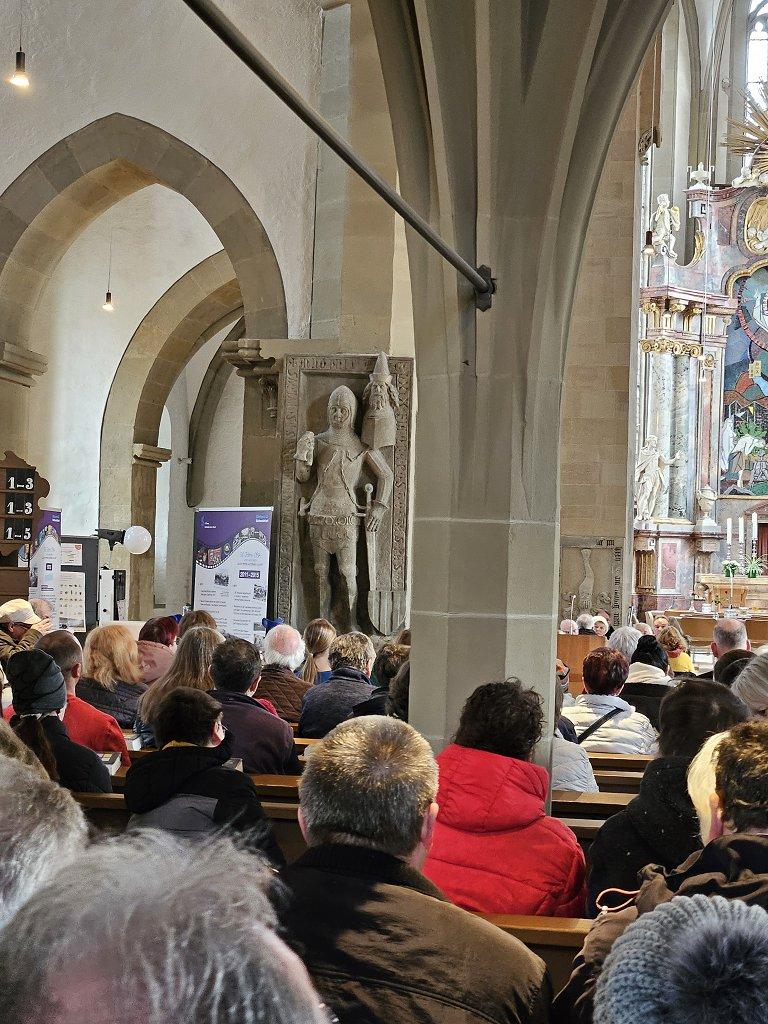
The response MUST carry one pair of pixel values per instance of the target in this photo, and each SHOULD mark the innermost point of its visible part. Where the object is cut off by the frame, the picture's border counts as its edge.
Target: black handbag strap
(596, 724)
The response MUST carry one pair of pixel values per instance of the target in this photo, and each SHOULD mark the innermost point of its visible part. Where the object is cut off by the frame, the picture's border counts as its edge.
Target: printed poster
(232, 567)
(72, 601)
(45, 560)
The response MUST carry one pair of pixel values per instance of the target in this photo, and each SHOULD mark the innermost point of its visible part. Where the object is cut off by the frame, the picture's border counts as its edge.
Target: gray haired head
(41, 830)
(369, 782)
(163, 931)
(751, 685)
(624, 639)
(730, 635)
(585, 621)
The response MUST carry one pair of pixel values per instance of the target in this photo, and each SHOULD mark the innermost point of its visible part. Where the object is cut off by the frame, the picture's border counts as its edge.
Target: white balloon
(137, 540)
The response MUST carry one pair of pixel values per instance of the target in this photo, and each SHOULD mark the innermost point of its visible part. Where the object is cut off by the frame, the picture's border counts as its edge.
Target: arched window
(757, 44)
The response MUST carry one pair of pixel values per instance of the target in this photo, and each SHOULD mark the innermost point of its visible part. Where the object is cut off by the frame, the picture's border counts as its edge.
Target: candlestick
(741, 529)
(729, 531)
(754, 527)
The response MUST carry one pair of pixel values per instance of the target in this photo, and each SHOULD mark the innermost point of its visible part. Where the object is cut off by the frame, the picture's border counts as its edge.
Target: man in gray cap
(20, 628)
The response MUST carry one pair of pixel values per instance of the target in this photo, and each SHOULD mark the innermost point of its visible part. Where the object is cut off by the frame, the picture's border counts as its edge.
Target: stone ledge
(150, 455)
(20, 365)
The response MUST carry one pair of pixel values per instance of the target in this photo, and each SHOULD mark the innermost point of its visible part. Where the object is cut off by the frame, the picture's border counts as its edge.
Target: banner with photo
(231, 567)
(45, 560)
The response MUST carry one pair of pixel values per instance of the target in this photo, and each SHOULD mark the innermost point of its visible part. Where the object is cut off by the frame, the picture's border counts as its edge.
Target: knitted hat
(36, 682)
(271, 623)
(728, 666)
(696, 960)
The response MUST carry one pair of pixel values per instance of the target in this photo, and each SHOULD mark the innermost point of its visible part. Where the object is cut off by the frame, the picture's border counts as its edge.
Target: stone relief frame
(578, 561)
(303, 379)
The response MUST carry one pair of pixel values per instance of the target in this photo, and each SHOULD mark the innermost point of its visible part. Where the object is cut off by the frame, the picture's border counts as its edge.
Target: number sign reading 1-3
(19, 479)
(21, 506)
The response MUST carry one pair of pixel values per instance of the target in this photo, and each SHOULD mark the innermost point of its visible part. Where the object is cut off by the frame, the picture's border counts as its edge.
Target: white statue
(727, 443)
(748, 178)
(664, 222)
(649, 477)
(701, 178)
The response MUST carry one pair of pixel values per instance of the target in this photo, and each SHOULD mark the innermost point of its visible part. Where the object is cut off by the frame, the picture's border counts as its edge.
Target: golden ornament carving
(676, 346)
(756, 227)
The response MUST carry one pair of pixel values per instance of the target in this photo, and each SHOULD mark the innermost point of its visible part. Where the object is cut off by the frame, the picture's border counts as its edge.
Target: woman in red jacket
(495, 851)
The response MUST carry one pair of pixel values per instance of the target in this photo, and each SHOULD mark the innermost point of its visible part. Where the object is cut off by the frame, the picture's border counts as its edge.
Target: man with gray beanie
(39, 699)
(694, 959)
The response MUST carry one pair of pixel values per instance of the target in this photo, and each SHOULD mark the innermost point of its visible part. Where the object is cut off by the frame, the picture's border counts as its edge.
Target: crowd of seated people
(378, 920)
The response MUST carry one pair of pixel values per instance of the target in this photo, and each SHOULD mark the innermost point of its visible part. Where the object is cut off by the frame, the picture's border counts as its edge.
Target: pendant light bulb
(109, 305)
(648, 248)
(20, 78)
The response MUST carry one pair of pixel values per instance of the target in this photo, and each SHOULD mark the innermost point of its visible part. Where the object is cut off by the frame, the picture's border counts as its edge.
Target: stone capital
(20, 365)
(149, 455)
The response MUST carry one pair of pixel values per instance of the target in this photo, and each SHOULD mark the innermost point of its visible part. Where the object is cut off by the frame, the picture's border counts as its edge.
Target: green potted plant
(755, 567)
(730, 567)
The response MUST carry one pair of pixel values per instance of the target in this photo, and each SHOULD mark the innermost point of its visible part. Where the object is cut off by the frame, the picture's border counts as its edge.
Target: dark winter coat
(646, 698)
(377, 704)
(263, 741)
(327, 704)
(187, 790)
(658, 827)
(734, 866)
(384, 946)
(80, 769)
(121, 702)
(284, 689)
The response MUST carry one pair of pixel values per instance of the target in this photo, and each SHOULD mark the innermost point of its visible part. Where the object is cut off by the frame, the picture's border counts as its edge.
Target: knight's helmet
(381, 374)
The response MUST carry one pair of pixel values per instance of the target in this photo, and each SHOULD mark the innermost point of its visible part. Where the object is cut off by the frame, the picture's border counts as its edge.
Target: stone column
(147, 459)
(680, 437)
(18, 369)
(659, 420)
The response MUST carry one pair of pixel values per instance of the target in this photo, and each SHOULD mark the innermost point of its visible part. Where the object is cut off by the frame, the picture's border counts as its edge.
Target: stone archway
(47, 206)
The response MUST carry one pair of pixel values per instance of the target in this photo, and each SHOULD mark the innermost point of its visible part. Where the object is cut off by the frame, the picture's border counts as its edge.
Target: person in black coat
(39, 699)
(186, 787)
(660, 825)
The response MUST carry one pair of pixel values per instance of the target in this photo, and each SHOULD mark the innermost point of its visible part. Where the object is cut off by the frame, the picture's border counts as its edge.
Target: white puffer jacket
(571, 769)
(629, 732)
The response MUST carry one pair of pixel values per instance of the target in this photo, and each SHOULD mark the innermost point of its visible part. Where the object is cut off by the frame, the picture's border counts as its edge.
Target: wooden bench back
(573, 650)
(556, 940)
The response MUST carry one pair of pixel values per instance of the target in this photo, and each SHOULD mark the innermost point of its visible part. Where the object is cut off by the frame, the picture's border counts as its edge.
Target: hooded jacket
(154, 660)
(121, 702)
(735, 867)
(384, 946)
(628, 732)
(261, 739)
(9, 646)
(89, 727)
(187, 790)
(646, 687)
(283, 689)
(327, 704)
(494, 850)
(658, 827)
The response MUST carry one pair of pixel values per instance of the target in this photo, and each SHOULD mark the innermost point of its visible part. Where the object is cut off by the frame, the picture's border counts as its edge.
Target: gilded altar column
(659, 419)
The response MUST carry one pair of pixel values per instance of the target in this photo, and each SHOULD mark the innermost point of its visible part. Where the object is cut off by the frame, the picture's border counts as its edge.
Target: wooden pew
(588, 805)
(619, 762)
(556, 940)
(618, 782)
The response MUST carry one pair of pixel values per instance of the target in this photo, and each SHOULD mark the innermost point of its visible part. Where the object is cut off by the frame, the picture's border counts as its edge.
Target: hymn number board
(21, 488)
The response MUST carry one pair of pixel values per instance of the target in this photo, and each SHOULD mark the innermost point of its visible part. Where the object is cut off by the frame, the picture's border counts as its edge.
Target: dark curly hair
(502, 718)
(388, 662)
(741, 775)
(605, 671)
(693, 711)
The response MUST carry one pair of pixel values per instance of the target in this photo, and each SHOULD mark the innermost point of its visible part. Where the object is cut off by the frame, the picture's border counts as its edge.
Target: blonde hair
(191, 666)
(111, 654)
(318, 637)
(671, 639)
(702, 782)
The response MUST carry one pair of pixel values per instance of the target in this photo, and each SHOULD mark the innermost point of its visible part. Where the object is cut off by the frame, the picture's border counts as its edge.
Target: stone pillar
(18, 369)
(659, 421)
(680, 438)
(147, 459)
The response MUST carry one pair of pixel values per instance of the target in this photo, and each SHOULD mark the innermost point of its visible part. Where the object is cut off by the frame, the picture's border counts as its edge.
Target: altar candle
(729, 531)
(754, 527)
(741, 529)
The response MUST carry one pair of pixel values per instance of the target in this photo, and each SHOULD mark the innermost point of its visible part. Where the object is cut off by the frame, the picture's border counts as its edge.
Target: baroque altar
(703, 432)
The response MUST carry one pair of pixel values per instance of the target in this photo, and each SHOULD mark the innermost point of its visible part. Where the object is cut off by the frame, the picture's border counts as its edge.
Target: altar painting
(744, 432)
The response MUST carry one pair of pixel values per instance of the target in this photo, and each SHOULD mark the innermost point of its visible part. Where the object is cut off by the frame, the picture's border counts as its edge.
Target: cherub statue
(664, 222)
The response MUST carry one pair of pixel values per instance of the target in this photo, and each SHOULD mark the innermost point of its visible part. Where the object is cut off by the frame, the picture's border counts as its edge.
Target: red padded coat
(494, 850)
